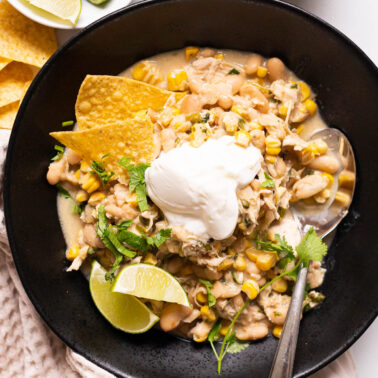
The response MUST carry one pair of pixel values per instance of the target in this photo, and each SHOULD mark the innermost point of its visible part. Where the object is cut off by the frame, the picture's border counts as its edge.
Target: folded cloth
(30, 349)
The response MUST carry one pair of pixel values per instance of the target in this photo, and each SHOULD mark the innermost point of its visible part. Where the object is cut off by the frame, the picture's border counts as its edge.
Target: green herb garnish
(295, 85)
(67, 123)
(233, 71)
(269, 183)
(137, 181)
(99, 170)
(205, 117)
(59, 154)
(159, 238)
(78, 208)
(311, 248)
(210, 296)
(241, 123)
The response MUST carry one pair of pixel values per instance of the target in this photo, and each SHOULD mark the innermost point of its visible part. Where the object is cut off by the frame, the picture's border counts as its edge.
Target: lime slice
(64, 9)
(151, 282)
(124, 312)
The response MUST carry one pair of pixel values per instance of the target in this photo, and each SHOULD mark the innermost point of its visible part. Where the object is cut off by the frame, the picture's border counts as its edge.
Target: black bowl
(345, 81)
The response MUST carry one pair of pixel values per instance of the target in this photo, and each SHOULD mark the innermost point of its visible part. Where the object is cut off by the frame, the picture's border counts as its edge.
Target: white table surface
(357, 19)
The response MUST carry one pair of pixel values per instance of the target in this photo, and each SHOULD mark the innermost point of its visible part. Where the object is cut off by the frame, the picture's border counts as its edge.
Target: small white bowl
(89, 13)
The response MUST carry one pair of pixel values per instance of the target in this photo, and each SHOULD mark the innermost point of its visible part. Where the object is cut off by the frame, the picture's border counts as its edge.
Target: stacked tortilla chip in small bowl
(25, 46)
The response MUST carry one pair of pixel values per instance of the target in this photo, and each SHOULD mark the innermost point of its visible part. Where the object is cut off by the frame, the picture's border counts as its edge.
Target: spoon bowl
(324, 221)
(326, 217)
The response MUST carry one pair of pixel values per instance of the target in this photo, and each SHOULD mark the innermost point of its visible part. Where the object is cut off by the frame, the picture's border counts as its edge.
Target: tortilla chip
(14, 80)
(105, 100)
(4, 62)
(8, 115)
(131, 138)
(22, 39)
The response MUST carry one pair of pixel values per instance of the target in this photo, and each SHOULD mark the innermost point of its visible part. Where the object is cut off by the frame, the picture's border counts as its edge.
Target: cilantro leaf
(113, 238)
(59, 154)
(124, 225)
(210, 296)
(233, 71)
(133, 240)
(98, 168)
(269, 183)
(136, 181)
(161, 237)
(213, 334)
(311, 248)
(236, 346)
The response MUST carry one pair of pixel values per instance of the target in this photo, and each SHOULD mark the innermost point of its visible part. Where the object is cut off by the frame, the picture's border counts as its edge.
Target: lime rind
(153, 283)
(122, 311)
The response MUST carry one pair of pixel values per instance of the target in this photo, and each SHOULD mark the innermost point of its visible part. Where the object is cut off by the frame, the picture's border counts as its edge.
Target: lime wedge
(64, 9)
(124, 312)
(151, 282)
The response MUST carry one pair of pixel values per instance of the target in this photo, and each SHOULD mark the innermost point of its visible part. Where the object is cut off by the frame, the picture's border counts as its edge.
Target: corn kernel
(225, 264)
(322, 196)
(96, 198)
(300, 129)
(310, 106)
(72, 253)
(219, 56)
(248, 243)
(191, 52)
(283, 109)
(346, 179)
(240, 264)
(305, 90)
(280, 285)
(207, 313)
(186, 270)
(77, 174)
(224, 328)
(271, 236)
(266, 261)
(251, 288)
(343, 198)
(321, 146)
(84, 166)
(231, 252)
(242, 138)
(201, 297)
(91, 184)
(307, 155)
(177, 80)
(329, 177)
(240, 111)
(277, 330)
(201, 340)
(253, 254)
(272, 145)
(270, 159)
(150, 259)
(147, 72)
(81, 196)
(261, 72)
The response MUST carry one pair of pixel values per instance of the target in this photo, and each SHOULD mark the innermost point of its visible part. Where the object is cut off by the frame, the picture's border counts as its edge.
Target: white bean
(325, 163)
(252, 64)
(276, 69)
(172, 315)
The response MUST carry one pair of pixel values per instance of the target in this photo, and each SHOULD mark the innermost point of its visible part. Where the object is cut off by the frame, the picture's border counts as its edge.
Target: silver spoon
(324, 221)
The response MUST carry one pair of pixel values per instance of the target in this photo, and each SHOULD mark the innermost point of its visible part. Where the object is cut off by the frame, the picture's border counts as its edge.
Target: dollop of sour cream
(196, 187)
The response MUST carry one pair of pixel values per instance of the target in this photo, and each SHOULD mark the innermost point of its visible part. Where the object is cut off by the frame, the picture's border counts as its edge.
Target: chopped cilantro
(59, 154)
(235, 279)
(136, 181)
(159, 238)
(269, 183)
(295, 85)
(210, 296)
(241, 123)
(233, 71)
(204, 245)
(205, 117)
(98, 168)
(67, 123)
(236, 346)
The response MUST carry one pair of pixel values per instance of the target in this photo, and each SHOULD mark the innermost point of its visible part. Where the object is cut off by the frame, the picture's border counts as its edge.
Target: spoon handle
(284, 358)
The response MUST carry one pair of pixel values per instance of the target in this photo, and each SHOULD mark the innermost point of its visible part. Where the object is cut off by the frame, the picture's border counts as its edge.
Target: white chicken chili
(226, 155)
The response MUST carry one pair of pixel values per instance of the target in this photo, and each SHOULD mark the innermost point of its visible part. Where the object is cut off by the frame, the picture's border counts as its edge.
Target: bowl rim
(135, 6)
